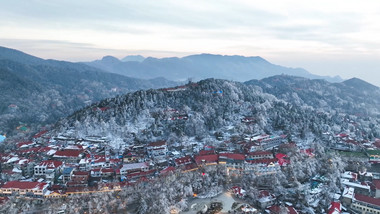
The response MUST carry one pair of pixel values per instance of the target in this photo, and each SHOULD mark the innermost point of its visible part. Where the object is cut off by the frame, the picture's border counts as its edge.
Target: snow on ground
(198, 204)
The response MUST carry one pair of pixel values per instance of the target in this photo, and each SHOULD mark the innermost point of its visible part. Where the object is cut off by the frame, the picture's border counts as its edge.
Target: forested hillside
(37, 91)
(210, 106)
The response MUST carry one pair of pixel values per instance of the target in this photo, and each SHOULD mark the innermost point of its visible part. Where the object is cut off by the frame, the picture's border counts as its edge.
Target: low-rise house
(79, 178)
(25, 188)
(133, 167)
(130, 157)
(183, 161)
(68, 156)
(283, 159)
(335, 208)
(206, 159)
(107, 173)
(347, 196)
(238, 191)
(275, 209)
(141, 175)
(360, 187)
(84, 164)
(96, 173)
(167, 170)
(351, 176)
(265, 199)
(251, 146)
(26, 144)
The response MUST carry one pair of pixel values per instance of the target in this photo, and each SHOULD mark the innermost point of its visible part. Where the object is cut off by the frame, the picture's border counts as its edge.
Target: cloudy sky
(339, 37)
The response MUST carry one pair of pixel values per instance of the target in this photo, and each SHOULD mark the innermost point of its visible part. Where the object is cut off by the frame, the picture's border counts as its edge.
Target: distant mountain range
(197, 67)
(40, 91)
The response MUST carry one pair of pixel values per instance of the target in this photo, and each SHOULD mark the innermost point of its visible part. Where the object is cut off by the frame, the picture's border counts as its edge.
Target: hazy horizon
(323, 37)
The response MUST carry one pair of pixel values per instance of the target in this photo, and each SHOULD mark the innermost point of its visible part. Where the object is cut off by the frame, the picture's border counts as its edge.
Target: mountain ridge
(201, 66)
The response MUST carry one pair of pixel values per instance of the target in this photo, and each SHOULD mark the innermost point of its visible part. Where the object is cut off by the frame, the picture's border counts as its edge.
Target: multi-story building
(48, 169)
(25, 188)
(157, 149)
(365, 204)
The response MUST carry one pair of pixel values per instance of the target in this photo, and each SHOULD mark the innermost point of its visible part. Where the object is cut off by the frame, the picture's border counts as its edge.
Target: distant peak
(110, 59)
(133, 58)
(208, 56)
(359, 83)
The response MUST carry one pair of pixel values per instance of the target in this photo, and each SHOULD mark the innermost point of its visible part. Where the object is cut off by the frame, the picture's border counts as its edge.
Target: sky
(339, 37)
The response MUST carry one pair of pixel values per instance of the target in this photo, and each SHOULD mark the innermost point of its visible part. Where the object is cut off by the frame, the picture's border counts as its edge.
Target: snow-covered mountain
(218, 106)
(353, 96)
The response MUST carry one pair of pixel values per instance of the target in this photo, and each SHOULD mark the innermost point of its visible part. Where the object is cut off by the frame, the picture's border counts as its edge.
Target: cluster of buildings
(47, 167)
(361, 194)
(60, 166)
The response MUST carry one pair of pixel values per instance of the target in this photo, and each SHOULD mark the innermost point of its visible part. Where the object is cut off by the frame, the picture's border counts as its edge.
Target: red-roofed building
(291, 210)
(25, 188)
(265, 198)
(157, 149)
(275, 209)
(183, 161)
(234, 160)
(206, 159)
(283, 159)
(335, 208)
(190, 167)
(141, 174)
(362, 203)
(72, 156)
(376, 184)
(26, 144)
(377, 143)
(251, 146)
(207, 152)
(3, 200)
(79, 178)
(167, 170)
(40, 134)
(238, 191)
(107, 172)
(130, 157)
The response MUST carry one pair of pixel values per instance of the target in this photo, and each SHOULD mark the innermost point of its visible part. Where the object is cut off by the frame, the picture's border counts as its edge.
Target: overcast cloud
(338, 37)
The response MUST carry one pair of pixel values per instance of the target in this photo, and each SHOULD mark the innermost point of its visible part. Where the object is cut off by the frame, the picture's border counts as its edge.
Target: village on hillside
(48, 167)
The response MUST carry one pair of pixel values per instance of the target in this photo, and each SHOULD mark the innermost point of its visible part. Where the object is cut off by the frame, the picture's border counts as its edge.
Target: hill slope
(40, 91)
(196, 111)
(352, 96)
